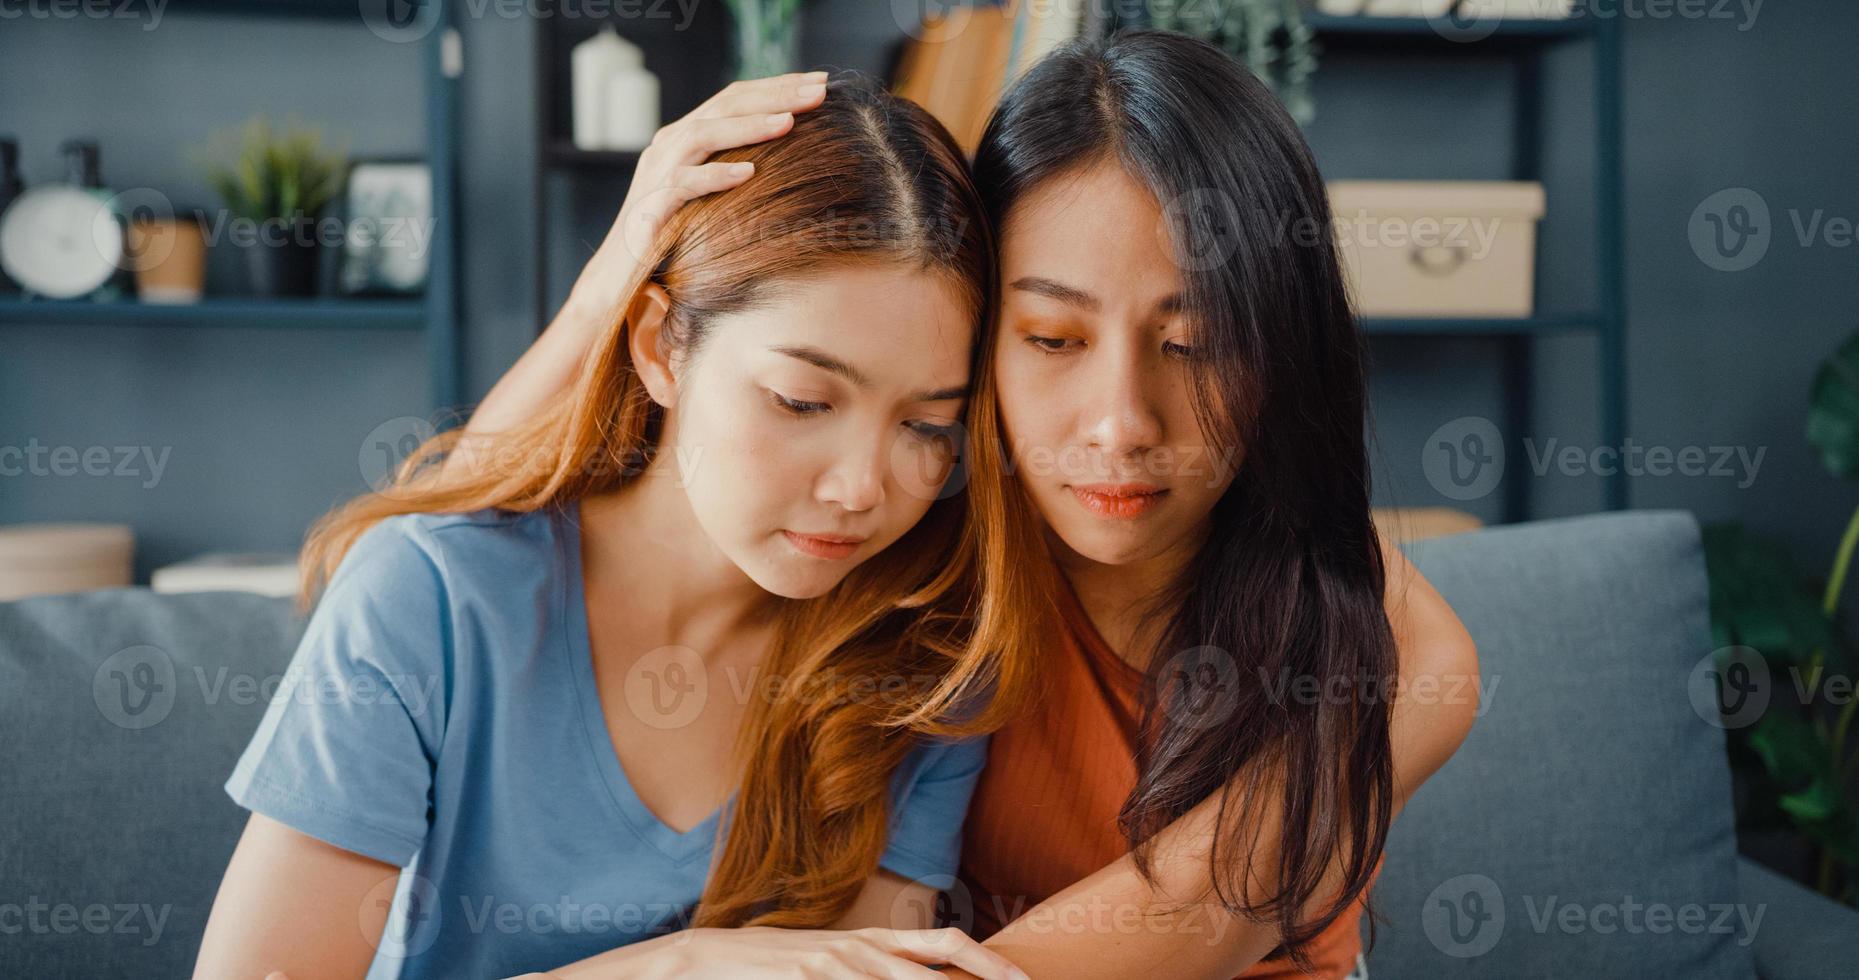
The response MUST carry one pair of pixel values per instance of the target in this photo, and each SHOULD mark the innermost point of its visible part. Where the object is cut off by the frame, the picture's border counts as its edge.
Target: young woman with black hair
(1234, 696)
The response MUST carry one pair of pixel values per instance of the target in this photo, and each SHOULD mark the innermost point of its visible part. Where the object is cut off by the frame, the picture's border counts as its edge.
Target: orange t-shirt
(1045, 811)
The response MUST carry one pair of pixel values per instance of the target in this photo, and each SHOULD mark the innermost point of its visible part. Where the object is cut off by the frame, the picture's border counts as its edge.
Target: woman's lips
(830, 547)
(1118, 501)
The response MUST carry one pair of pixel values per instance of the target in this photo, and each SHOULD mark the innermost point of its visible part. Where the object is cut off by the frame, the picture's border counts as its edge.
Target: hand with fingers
(850, 954)
(672, 170)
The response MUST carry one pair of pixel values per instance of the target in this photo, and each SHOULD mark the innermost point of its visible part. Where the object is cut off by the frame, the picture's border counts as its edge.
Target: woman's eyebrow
(1052, 288)
(1073, 296)
(821, 359)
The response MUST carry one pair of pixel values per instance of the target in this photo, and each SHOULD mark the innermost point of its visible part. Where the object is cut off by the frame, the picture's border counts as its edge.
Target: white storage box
(266, 573)
(1438, 248)
(42, 559)
(1517, 9)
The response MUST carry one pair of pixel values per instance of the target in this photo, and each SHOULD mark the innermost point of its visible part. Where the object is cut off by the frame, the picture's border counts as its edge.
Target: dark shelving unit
(434, 312)
(225, 311)
(1525, 42)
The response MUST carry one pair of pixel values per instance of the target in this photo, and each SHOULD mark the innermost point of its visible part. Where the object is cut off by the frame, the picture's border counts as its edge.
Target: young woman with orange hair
(687, 638)
(1239, 677)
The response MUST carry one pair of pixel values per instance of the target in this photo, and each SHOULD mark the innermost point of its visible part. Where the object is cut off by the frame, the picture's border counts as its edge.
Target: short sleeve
(926, 830)
(346, 748)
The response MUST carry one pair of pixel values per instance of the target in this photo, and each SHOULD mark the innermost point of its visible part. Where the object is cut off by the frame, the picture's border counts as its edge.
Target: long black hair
(1285, 596)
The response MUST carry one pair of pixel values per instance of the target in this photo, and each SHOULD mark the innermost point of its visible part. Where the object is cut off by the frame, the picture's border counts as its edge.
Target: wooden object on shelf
(959, 62)
(957, 67)
(49, 558)
(1404, 524)
(170, 259)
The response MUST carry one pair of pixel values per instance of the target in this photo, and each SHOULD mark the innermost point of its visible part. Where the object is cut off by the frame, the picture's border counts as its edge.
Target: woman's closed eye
(932, 430)
(802, 408)
(795, 406)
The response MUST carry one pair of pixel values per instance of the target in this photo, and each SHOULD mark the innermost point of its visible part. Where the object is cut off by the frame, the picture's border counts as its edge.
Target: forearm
(545, 371)
(548, 366)
(649, 959)
(1113, 925)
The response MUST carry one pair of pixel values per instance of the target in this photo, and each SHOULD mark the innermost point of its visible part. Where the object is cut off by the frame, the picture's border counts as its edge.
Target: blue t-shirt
(441, 715)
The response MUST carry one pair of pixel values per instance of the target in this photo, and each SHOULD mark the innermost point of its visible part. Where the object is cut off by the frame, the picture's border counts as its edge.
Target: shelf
(231, 311)
(563, 154)
(306, 9)
(1558, 323)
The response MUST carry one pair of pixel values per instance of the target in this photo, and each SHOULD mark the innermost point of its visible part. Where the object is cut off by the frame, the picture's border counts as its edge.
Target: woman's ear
(646, 341)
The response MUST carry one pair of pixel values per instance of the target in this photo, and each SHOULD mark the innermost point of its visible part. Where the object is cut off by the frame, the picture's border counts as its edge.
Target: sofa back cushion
(1585, 827)
(121, 712)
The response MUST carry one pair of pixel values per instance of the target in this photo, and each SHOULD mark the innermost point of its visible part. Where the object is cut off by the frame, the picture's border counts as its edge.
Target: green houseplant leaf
(1833, 411)
(1796, 760)
(1759, 598)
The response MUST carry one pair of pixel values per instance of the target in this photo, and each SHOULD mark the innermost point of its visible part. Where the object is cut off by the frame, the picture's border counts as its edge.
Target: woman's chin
(779, 578)
(1108, 545)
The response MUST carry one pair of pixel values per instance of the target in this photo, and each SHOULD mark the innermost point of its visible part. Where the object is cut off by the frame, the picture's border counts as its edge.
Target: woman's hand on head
(672, 170)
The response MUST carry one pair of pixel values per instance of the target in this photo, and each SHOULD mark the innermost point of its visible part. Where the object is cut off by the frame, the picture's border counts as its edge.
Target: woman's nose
(1121, 412)
(855, 481)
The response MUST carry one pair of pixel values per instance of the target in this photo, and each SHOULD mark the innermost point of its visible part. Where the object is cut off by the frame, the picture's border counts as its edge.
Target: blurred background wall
(263, 427)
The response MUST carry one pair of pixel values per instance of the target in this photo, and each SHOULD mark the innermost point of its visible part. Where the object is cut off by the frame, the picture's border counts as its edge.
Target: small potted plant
(276, 186)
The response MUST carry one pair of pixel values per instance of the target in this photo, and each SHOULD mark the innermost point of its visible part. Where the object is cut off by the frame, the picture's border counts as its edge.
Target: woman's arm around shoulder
(1115, 924)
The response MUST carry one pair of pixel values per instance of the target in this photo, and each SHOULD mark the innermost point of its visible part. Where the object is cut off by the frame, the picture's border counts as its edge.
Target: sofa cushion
(122, 711)
(1584, 829)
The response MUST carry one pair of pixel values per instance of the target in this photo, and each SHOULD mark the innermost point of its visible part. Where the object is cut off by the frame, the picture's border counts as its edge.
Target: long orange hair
(951, 608)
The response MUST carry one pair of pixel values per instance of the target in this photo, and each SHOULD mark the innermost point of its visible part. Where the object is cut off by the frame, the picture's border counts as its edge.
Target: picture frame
(387, 227)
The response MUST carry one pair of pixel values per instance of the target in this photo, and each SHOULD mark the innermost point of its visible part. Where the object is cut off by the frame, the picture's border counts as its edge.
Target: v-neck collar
(679, 847)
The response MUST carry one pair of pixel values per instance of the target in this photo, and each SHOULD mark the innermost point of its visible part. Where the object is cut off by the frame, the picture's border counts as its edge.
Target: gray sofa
(1584, 829)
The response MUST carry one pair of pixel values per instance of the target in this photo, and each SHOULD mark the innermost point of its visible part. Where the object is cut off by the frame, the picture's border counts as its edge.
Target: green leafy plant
(1798, 759)
(267, 176)
(1269, 36)
(766, 36)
